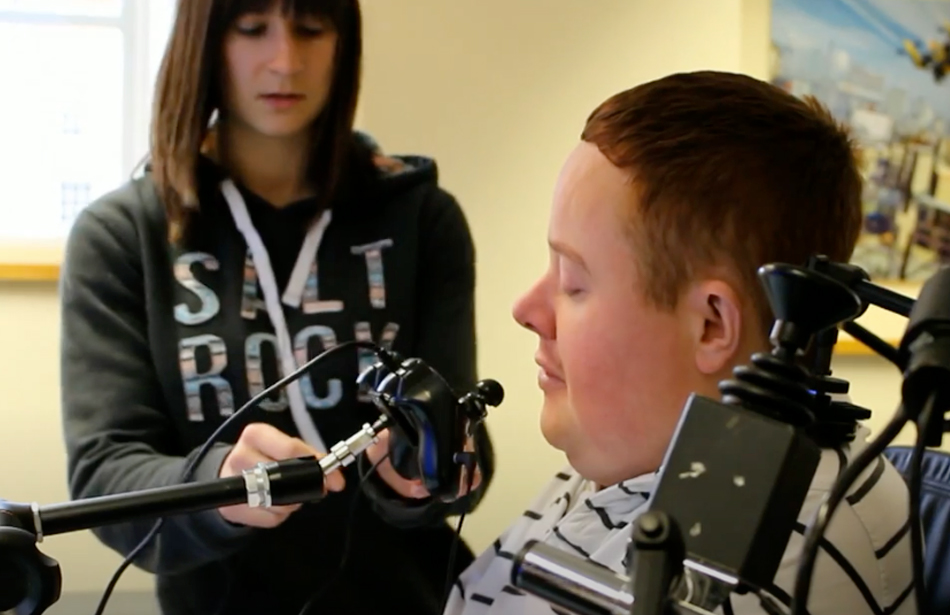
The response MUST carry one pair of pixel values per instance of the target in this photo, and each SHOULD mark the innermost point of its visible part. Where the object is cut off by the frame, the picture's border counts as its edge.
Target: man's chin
(553, 427)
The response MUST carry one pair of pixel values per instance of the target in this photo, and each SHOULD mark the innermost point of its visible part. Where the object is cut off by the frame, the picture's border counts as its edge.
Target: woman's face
(278, 70)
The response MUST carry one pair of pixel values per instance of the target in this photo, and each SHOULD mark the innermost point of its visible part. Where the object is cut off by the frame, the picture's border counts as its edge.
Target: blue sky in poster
(861, 42)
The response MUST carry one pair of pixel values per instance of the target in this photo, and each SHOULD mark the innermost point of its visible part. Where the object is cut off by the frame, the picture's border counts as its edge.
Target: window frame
(39, 259)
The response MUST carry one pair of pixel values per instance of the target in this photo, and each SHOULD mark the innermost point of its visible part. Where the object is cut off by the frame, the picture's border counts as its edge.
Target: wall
(497, 90)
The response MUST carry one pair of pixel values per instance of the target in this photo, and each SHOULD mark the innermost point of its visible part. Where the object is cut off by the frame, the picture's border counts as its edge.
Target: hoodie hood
(397, 173)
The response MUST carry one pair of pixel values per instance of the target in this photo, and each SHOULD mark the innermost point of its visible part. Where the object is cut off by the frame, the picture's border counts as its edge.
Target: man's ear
(714, 314)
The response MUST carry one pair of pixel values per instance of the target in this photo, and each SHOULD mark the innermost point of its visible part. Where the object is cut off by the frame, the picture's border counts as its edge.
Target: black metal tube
(35, 582)
(286, 482)
(158, 502)
(884, 298)
(299, 480)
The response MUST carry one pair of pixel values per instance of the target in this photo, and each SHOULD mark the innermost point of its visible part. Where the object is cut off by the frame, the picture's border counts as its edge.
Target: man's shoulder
(876, 510)
(864, 560)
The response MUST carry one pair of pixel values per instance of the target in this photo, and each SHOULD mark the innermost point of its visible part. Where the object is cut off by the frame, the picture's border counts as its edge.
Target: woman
(263, 232)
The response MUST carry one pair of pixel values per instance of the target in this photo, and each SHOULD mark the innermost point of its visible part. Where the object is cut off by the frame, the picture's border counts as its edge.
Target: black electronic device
(429, 418)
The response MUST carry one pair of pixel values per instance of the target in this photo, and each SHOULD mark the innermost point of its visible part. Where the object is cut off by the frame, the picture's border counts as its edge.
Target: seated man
(680, 189)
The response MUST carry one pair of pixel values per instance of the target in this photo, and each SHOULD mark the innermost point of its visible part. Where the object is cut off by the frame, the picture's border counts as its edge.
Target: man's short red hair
(732, 171)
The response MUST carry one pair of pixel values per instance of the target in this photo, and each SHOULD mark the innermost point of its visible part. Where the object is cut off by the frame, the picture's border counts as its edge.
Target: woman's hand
(262, 442)
(414, 489)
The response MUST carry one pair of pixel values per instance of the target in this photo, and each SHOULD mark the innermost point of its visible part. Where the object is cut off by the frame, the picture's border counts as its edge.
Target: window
(78, 78)
(74, 196)
(59, 8)
(72, 123)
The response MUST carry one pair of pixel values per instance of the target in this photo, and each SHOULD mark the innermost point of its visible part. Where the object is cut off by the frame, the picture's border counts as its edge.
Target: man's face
(615, 370)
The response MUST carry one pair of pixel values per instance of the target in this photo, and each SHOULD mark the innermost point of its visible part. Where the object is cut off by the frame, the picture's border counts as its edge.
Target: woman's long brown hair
(188, 91)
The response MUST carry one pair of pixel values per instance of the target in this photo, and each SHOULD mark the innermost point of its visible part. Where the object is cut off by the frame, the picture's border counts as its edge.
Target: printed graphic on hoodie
(253, 304)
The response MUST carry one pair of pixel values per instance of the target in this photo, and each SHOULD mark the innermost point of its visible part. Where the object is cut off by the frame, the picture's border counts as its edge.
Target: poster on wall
(883, 68)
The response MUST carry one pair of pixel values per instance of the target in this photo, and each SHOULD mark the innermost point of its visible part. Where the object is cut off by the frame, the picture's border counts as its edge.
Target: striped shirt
(863, 567)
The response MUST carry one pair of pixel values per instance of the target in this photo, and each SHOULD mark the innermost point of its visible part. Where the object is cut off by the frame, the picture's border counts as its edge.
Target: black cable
(346, 540)
(470, 460)
(469, 478)
(125, 564)
(453, 552)
(915, 479)
(727, 607)
(768, 603)
(830, 502)
(188, 474)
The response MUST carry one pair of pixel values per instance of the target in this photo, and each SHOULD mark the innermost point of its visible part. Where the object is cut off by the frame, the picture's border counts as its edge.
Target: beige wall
(497, 90)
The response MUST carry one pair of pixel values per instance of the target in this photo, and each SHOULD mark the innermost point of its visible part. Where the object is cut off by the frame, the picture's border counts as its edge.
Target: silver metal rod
(345, 452)
(307, 482)
(570, 582)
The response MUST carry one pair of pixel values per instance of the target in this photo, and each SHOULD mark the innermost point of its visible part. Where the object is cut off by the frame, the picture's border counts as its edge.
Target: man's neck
(273, 168)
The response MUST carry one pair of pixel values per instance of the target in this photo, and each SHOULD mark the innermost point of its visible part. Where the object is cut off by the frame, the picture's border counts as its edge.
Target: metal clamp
(257, 483)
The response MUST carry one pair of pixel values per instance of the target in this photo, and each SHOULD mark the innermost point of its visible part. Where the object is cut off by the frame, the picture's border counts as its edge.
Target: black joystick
(424, 439)
(804, 302)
